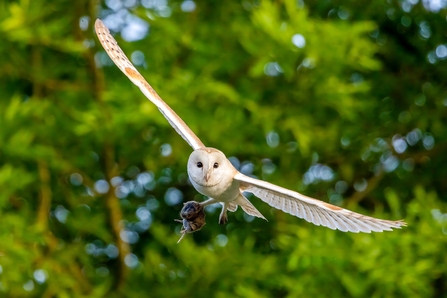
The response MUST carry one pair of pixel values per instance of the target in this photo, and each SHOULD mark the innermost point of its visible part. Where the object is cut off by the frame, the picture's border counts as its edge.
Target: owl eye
(199, 164)
(216, 165)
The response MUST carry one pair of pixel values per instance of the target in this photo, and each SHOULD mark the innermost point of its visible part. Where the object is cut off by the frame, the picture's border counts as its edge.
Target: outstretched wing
(312, 210)
(117, 55)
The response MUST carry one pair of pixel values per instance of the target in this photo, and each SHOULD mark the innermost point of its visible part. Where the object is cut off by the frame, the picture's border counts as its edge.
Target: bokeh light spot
(135, 29)
(399, 144)
(165, 150)
(61, 214)
(131, 260)
(28, 286)
(129, 236)
(272, 139)
(143, 213)
(222, 240)
(390, 163)
(272, 69)
(235, 162)
(137, 58)
(316, 173)
(441, 51)
(112, 251)
(40, 276)
(83, 22)
(341, 186)
(188, 6)
(102, 186)
(102, 271)
(173, 196)
(247, 168)
(360, 184)
(76, 179)
(428, 141)
(413, 136)
(299, 41)
(343, 14)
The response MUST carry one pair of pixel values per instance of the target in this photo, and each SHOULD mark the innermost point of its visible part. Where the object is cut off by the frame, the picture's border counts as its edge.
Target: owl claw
(223, 219)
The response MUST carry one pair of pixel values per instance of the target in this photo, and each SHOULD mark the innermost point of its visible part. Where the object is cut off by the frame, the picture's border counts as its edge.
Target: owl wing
(312, 210)
(119, 58)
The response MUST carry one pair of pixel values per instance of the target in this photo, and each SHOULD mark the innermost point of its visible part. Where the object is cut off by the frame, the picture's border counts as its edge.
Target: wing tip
(369, 226)
(100, 25)
(401, 223)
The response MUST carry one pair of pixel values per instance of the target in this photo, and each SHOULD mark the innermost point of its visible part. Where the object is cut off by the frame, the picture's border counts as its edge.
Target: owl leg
(223, 218)
(210, 201)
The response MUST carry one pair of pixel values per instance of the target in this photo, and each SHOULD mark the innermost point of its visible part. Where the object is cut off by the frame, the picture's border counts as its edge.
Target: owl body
(224, 192)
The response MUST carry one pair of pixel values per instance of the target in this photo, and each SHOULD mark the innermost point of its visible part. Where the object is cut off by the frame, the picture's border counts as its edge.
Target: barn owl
(212, 174)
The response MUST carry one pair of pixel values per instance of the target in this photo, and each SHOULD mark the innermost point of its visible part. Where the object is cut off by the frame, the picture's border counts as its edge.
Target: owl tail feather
(246, 205)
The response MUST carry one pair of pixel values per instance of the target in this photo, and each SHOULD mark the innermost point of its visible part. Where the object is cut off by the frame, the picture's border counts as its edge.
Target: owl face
(207, 166)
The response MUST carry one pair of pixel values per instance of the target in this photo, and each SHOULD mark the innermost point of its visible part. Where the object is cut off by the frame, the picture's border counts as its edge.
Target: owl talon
(223, 220)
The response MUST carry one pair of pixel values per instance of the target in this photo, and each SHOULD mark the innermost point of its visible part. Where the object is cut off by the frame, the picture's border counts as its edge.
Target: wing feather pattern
(119, 58)
(314, 211)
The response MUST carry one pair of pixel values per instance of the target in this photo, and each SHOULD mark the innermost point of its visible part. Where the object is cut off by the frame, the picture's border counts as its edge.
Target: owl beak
(207, 176)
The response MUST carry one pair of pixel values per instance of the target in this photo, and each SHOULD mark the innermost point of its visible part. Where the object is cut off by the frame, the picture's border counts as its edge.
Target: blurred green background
(344, 101)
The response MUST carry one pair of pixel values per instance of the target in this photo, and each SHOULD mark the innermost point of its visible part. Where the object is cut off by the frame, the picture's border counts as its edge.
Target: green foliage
(89, 167)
